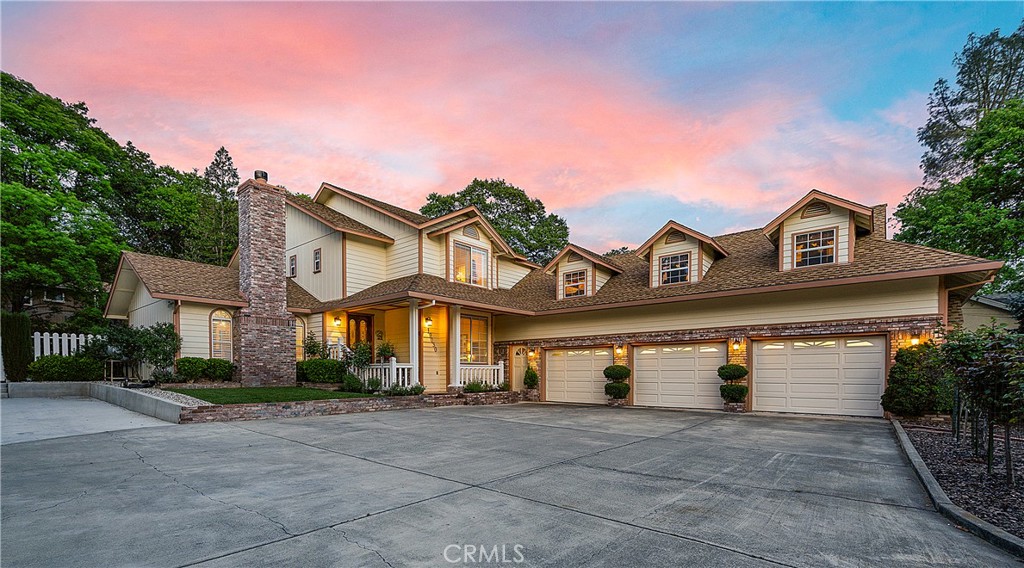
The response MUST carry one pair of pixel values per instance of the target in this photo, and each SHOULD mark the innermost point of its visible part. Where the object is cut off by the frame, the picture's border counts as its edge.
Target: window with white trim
(28, 298)
(574, 284)
(674, 269)
(300, 339)
(317, 260)
(814, 248)
(53, 296)
(473, 348)
(220, 335)
(471, 265)
(293, 266)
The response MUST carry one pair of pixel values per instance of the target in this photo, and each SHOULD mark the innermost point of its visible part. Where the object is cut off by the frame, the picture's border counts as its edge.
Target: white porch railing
(58, 343)
(389, 374)
(492, 375)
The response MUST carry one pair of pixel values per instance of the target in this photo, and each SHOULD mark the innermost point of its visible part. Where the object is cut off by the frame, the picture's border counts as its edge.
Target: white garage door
(681, 376)
(576, 375)
(834, 375)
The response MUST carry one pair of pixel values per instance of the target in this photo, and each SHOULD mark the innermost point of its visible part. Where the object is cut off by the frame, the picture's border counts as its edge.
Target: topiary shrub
(916, 382)
(733, 393)
(192, 368)
(530, 378)
(66, 368)
(617, 373)
(476, 386)
(17, 345)
(219, 369)
(351, 383)
(732, 372)
(323, 371)
(616, 389)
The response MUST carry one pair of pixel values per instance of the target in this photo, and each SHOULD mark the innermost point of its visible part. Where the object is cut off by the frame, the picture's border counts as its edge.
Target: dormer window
(574, 284)
(471, 265)
(814, 248)
(675, 269)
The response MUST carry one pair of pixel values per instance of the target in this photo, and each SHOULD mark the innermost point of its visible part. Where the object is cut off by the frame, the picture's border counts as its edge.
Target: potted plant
(733, 392)
(617, 388)
(530, 380)
(385, 351)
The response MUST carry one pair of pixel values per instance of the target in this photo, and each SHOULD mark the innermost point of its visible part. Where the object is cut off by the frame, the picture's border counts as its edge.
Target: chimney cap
(260, 175)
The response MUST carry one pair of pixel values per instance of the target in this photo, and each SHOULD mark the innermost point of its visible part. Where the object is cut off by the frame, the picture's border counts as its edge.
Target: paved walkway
(28, 419)
(570, 486)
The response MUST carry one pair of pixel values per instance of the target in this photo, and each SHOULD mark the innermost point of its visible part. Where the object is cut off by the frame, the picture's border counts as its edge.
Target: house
(815, 303)
(49, 306)
(982, 310)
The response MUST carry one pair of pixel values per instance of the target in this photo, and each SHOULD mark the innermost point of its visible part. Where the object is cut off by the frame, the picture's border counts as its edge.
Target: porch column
(457, 343)
(414, 340)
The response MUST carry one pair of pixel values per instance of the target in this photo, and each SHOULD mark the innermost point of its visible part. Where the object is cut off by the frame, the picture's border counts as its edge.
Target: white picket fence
(58, 343)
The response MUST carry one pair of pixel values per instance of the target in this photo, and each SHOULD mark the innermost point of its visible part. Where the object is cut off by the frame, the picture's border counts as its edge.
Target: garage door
(681, 376)
(576, 375)
(834, 375)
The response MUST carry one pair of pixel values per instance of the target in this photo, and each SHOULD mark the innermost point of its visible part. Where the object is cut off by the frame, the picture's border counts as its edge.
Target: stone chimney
(265, 331)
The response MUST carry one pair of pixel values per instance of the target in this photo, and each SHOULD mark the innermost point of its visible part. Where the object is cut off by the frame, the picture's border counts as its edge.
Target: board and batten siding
(510, 273)
(838, 218)
(854, 301)
(661, 248)
(145, 310)
(304, 235)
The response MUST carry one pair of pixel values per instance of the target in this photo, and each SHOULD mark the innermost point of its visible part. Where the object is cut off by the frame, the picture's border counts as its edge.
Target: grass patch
(265, 394)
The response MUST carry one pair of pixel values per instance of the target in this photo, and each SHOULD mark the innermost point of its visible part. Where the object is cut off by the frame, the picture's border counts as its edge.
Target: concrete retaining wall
(47, 390)
(126, 398)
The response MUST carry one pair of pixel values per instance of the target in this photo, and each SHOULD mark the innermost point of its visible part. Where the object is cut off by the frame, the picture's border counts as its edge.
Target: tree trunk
(1009, 455)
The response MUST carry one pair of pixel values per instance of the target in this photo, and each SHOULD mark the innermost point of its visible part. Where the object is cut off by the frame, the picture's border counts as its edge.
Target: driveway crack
(345, 536)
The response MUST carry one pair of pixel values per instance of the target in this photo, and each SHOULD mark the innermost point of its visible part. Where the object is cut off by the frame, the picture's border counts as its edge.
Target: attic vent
(471, 232)
(816, 209)
(575, 257)
(675, 237)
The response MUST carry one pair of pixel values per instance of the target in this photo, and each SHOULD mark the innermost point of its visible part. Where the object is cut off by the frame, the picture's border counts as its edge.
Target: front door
(360, 329)
(519, 363)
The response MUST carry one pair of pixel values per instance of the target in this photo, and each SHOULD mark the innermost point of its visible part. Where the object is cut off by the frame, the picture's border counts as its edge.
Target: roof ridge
(380, 202)
(173, 259)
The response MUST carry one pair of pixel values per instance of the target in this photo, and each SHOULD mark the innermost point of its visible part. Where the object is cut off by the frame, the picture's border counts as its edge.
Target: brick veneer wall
(264, 330)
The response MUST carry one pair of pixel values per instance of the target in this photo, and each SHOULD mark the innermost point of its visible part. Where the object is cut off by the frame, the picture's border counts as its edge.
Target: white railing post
(501, 373)
(392, 372)
(457, 340)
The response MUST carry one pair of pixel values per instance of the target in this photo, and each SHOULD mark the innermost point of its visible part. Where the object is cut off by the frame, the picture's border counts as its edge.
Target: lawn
(265, 394)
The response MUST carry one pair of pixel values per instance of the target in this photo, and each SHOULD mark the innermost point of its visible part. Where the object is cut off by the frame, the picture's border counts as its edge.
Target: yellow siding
(483, 242)
(433, 255)
(565, 266)
(315, 323)
(365, 265)
(510, 273)
(854, 301)
(839, 217)
(194, 320)
(402, 258)
(396, 330)
(145, 310)
(435, 348)
(304, 235)
(977, 314)
(708, 258)
(602, 277)
(661, 248)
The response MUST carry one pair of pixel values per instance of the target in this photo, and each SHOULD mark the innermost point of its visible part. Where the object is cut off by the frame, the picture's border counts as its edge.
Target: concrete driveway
(30, 419)
(571, 486)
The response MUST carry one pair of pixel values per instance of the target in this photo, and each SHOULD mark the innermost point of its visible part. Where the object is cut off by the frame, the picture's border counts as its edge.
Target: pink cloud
(398, 101)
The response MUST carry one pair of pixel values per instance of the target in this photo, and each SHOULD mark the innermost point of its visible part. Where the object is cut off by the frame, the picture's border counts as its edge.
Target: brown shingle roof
(173, 277)
(335, 219)
(299, 298)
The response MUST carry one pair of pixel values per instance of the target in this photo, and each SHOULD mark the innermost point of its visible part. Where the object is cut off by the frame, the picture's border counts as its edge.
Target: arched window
(220, 335)
(300, 339)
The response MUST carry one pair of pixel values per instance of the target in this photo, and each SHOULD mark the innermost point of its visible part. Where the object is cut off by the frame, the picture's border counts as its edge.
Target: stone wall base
(530, 395)
(734, 406)
(202, 385)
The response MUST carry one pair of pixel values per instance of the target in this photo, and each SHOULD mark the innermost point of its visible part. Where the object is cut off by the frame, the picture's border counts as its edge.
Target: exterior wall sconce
(736, 342)
(427, 322)
(531, 353)
(915, 336)
(337, 322)
(618, 350)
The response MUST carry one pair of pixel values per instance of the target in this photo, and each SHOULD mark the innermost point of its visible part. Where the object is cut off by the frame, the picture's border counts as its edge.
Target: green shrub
(66, 368)
(733, 393)
(476, 386)
(372, 386)
(219, 369)
(323, 371)
(616, 389)
(162, 376)
(732, 372)
(504, 386)
(917, 382)
(385, 351)
(300, 371)
(617, 373)
(351, 383)
(362, 355)
(192, 368)
(17, 345)
(531, 379)
(313, 348)
(398, 390)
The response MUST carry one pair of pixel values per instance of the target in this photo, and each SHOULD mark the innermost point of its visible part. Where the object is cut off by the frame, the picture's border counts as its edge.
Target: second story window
(293, 266)
(813, 248)
(470, 265)
(316, 261)
(574, 284)
(53, 296)
(674, 269)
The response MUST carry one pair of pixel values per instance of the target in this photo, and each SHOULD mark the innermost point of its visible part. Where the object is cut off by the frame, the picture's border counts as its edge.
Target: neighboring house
(982, 310)
(50, 305)
(815, 303)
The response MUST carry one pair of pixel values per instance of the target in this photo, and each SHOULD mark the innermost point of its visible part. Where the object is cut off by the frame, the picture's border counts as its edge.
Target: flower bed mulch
(962, 476)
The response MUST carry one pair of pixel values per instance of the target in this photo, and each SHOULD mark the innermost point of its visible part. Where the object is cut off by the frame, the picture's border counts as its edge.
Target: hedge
(17, 345)
(66, 368)
(192, 368)
(323, 370)
(219, 369)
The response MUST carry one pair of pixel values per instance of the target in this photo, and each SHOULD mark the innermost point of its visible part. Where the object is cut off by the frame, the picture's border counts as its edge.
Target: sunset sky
(618, 116)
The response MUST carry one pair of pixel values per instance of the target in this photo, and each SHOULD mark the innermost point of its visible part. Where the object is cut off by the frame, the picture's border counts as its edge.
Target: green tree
(620, 250)
(522, 221)
(990, 72)
(220, 210)
(981, 214)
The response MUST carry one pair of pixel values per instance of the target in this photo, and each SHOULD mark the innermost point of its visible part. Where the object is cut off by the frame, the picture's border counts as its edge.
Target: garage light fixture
(337, 322)
(427, 322)
(736, 342)
(618, 350)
